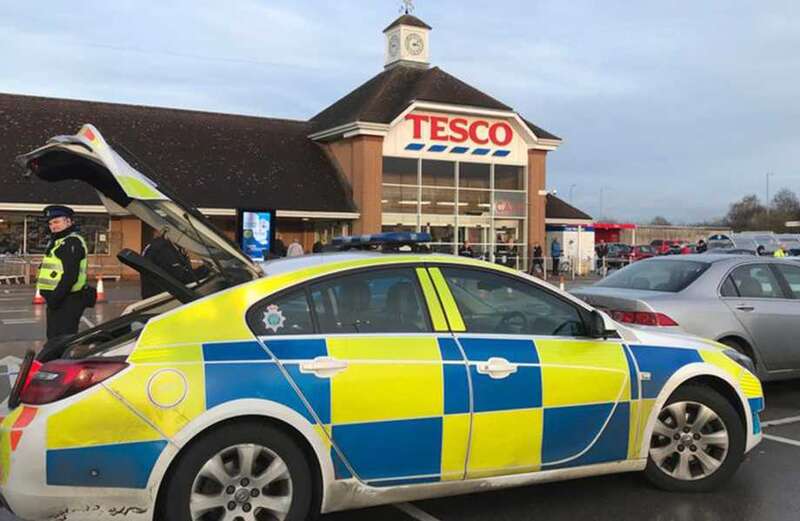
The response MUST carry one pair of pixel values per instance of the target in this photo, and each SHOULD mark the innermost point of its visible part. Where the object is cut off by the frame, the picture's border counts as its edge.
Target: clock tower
(407, 42)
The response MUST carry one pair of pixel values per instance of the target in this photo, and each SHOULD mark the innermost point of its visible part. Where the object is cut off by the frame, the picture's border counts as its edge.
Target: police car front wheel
(697, 443)
(240, 472)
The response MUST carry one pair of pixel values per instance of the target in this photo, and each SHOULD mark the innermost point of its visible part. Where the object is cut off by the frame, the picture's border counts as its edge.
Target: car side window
(492, 303)
(728, 288)
(756, 281)
(288, 314)
(372, 301)
(792, 276)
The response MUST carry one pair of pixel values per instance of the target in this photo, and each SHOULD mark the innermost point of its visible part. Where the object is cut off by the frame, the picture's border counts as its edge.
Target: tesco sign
(460, 130)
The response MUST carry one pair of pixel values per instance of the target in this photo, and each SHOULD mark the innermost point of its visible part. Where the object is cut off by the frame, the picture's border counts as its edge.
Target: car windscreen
(656, 275)
(645, 249)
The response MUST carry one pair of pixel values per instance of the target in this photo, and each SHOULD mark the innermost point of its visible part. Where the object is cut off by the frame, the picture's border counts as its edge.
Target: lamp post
(767, 203)
(603, 189)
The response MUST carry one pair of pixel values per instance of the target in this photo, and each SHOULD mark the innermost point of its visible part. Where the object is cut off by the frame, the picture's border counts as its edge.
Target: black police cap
(57, 210)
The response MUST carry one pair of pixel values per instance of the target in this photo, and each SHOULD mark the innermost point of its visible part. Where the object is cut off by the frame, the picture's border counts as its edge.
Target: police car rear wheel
(240, 472)
(697, 443)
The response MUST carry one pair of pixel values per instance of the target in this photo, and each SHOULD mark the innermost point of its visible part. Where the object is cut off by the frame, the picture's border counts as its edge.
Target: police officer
(62, 275)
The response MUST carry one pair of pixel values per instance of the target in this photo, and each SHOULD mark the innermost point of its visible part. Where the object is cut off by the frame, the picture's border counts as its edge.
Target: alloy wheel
(690, 441)
(245, 482)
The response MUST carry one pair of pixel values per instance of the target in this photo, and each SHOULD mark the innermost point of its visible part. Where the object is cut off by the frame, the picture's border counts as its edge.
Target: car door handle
(497, 368)
(323, 366)
(745, 308)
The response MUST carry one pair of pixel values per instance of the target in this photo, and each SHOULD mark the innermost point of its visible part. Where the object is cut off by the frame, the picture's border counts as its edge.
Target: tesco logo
(459, 130)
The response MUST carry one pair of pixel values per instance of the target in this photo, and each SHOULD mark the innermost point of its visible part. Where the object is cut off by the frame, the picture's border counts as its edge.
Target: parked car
(732, 251)
(618, 255)
(751, 304)
(641, 252)
(745, 240)
(334, 381)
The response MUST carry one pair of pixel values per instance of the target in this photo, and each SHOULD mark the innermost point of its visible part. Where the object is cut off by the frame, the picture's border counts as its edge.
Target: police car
(349, 379)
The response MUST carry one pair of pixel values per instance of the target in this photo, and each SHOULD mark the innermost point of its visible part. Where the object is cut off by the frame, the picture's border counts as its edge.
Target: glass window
(95, 229)
(656, 275)
(475, 202)
(438, 200)
(792, 276)
(491, 303)
(509, 177)
(474, 175)
(11, 231)
(286, 315)
(728, 288)
(438, 173)
(756, 281)
(400, 199)
(375, 301)
(509, 204)
(398, 170)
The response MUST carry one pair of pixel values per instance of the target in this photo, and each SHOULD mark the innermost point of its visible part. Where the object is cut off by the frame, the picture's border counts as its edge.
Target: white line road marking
(414, 512)
(16, 321)
(17, 310)
(781, 439)
(782, 421)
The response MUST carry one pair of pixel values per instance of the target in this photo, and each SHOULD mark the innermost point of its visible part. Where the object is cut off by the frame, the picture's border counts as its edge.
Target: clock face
(414, 44)
(394, 45)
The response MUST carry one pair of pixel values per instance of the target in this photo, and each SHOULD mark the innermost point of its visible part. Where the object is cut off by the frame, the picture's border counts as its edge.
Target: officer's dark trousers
(65, 319)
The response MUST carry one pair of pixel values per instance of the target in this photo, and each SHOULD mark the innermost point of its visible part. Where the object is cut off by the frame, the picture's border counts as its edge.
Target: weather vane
(407, 7)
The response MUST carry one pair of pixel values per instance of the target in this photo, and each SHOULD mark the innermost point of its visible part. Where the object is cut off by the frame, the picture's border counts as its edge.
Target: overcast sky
(669, 108)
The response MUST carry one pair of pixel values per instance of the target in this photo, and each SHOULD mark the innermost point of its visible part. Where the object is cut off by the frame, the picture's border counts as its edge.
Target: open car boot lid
(123, 190)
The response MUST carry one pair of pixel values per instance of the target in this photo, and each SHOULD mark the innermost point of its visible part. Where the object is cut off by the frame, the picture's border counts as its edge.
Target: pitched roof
(207, 159)
(539, 131)
(383, 97)
(386, 95)
(407, 19)
(559, 209)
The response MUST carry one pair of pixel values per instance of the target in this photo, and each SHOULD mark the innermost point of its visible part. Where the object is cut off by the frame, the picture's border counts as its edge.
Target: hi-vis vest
(51, 270)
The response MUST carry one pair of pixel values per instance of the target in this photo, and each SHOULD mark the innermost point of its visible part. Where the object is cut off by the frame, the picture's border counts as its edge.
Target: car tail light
(62, 378)
(643, 318)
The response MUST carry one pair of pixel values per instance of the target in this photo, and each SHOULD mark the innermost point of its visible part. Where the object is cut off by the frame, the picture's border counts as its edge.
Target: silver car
(749, 303)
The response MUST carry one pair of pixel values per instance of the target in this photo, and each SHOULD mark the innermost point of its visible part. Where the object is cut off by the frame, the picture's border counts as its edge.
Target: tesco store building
(413, 148)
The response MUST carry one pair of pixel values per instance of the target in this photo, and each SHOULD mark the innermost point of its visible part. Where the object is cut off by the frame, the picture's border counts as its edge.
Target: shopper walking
(555, 253)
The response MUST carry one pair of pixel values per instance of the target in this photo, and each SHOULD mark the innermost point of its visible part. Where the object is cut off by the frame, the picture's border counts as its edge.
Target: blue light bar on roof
(374, 239)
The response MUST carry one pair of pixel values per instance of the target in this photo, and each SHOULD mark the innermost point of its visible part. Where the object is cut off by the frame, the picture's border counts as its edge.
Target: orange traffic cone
(38, 299)
(101, 293)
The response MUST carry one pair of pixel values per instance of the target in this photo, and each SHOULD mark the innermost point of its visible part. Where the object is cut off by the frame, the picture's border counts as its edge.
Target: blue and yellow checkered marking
(569, 431)
(661, 363)
(123, 465)
(395, 448)
(234, 351)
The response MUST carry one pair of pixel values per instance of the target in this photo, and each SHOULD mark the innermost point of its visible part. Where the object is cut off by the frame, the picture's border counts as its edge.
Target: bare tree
(660, 220)
(746, 214)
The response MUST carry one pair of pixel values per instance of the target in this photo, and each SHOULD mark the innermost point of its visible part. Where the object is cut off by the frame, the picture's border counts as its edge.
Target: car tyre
(700, 451)
(220, 469)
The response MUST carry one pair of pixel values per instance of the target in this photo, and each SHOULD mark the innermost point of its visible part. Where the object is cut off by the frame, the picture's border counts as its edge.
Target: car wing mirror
(601, 325)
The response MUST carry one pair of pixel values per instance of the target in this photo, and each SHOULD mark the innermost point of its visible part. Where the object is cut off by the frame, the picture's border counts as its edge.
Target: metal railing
(14, 269)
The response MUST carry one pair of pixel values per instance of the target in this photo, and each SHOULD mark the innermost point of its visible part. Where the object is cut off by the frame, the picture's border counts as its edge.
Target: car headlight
(741, 359)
